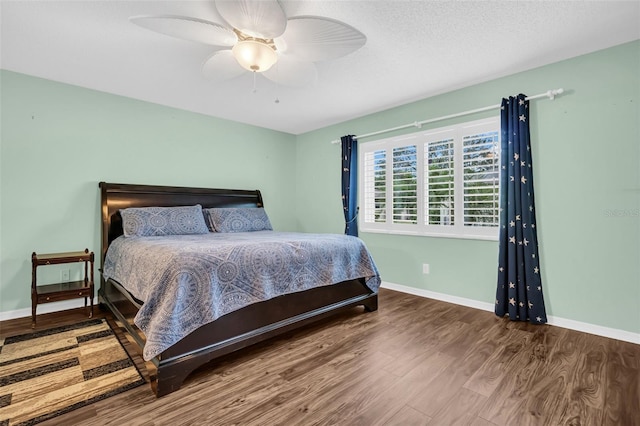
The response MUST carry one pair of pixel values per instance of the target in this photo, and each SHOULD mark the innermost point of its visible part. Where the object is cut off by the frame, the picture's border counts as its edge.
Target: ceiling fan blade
(256, 18)
(314, 38)
(191, 29)
(222, 66)
(289, 71)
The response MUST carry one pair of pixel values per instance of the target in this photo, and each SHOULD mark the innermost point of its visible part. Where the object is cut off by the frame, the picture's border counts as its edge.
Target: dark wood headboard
(116, 196)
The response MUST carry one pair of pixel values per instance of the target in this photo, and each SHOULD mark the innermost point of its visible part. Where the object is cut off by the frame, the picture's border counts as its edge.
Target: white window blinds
(442, 182)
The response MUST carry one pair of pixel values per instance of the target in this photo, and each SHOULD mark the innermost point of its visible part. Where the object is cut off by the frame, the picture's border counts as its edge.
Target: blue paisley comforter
(186, 281)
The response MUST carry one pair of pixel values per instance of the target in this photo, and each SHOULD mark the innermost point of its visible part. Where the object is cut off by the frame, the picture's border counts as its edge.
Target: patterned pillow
(238, 219)
(157, 221)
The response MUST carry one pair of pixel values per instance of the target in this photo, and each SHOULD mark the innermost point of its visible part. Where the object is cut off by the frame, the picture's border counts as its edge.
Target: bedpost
(104, 235)
(260, 203)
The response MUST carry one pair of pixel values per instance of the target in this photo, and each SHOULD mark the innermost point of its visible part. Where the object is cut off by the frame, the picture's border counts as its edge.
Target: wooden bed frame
(230, 332)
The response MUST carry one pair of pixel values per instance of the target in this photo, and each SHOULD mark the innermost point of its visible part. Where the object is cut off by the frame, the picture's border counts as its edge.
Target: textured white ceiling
(415, 49)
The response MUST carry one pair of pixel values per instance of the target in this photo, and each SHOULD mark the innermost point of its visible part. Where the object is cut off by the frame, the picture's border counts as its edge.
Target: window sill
(430, 234)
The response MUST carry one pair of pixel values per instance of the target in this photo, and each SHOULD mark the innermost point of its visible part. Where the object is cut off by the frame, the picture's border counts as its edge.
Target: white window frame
(420, 140)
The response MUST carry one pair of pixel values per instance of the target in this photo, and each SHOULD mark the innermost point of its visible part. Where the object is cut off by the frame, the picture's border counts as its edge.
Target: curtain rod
(551, 94)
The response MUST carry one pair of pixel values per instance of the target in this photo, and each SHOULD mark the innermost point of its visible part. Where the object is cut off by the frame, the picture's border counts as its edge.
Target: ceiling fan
(257, 36)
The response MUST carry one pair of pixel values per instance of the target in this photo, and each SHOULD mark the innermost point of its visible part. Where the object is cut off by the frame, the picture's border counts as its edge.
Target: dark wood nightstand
(61, 291)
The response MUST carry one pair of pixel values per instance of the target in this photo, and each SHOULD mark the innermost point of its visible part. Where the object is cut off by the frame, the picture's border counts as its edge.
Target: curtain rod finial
(551, 94)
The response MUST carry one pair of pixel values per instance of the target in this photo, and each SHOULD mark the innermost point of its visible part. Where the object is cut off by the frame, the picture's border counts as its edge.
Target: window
(443, 182)
(405, 185)
(375, 187)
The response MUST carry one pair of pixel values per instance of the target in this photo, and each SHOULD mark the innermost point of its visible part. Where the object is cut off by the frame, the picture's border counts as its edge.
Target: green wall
(586, 147)
(58, 141)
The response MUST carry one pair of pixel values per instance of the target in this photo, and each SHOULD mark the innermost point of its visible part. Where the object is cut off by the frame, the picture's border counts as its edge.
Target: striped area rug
(51, 372)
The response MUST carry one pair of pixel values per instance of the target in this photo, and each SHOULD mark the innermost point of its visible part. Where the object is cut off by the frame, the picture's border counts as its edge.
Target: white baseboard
(439, 296)
(598, 330)
(44, 308)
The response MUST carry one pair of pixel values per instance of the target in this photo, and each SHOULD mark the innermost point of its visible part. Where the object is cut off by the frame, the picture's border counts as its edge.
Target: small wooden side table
(61, 291)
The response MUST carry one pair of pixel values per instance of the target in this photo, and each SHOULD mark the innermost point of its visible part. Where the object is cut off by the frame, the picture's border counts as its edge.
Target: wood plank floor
(415, 361)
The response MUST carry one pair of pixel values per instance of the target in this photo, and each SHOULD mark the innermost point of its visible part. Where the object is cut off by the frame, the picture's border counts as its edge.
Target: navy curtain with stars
(350, 184)
(519, 293)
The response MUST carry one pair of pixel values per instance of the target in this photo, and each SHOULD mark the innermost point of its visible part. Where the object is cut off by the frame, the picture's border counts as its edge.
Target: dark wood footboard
(239, 329)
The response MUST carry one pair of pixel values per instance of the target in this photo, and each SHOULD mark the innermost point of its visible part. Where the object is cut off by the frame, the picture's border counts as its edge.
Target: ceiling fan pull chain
(254, 82)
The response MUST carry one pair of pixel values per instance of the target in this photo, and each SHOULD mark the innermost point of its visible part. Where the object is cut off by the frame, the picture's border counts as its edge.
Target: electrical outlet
(64, 276)
(425, 268)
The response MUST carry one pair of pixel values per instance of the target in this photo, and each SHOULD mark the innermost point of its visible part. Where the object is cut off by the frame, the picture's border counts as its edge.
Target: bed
(230, 331)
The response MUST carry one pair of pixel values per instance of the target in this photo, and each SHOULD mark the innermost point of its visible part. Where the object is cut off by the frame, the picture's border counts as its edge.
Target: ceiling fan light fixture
(254, 55)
